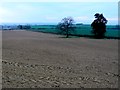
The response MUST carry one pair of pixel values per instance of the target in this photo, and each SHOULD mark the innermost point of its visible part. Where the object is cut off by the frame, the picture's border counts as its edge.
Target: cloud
(51, 18)
(3, 11)
(113, 19)
(76, 19)
(52, 12)
(83, 19)
(19, 12)
(5, 14)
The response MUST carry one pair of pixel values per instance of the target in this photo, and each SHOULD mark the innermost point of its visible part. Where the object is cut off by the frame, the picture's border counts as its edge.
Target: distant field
(112, 30)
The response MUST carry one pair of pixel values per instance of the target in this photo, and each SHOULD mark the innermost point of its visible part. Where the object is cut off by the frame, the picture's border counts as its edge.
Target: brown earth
(39, 60)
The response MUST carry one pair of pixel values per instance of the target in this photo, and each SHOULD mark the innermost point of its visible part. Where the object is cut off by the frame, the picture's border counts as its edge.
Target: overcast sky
(53, 12)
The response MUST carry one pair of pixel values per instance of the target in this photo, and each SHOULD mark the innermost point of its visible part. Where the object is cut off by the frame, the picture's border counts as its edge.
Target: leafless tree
(66, 26)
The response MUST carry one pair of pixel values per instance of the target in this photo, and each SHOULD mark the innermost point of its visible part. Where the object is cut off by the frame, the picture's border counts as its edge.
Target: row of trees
(23, 26)
(66, 26)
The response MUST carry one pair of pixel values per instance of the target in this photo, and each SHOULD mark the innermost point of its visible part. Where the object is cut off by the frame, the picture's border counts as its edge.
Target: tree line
(66, 26)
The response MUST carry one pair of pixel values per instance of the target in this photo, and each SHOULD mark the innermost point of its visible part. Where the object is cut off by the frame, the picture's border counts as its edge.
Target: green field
(112, 30)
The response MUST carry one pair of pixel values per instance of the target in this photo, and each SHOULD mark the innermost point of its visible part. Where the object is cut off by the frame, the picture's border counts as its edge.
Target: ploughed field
(39, 60)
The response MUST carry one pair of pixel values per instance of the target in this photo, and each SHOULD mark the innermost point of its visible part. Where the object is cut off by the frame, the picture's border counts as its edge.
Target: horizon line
(51, 23)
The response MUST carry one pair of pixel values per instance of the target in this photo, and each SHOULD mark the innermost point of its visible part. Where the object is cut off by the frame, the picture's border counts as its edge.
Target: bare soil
(40, 60)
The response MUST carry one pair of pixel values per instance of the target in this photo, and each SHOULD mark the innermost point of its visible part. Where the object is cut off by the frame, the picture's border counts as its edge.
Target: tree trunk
(67, 34)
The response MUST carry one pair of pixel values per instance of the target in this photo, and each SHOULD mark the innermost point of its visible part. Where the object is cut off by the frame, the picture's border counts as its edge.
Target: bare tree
(66, 26)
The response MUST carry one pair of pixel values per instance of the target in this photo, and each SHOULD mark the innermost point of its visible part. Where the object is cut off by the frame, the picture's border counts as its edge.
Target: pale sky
(53, 12)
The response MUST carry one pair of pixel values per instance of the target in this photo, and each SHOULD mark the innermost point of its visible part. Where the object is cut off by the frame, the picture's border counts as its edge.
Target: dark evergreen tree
(99, 26)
